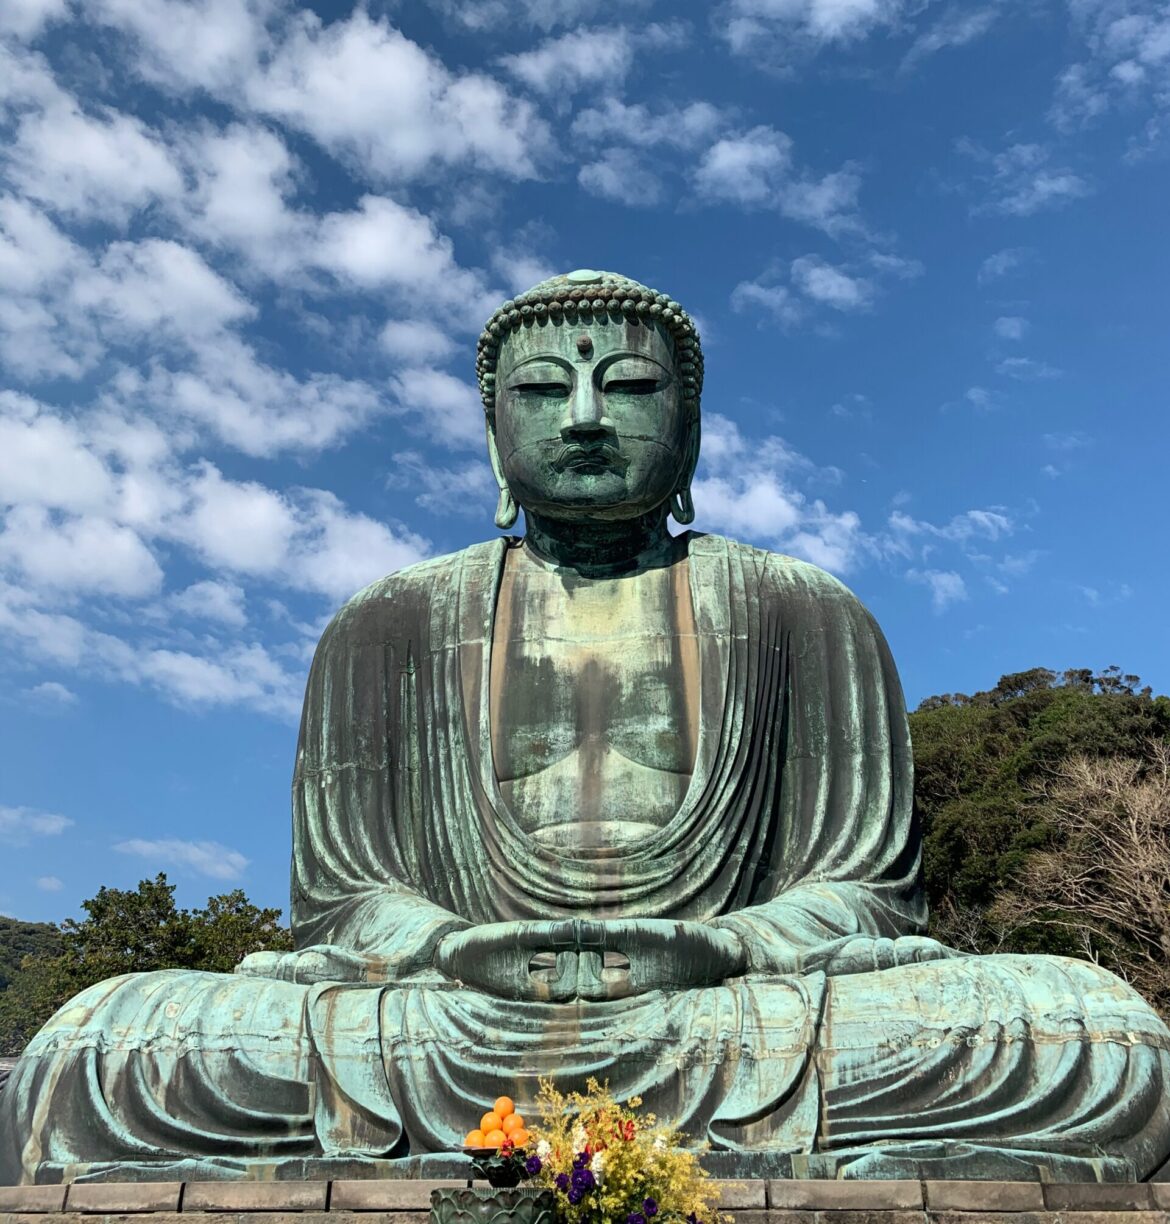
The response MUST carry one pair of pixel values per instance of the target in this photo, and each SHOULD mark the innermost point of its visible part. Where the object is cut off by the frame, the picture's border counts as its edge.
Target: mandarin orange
(512, 1122)
(520, 1137)
(504, 1106)
(474, 1139)
(494, 1138)
(491, 1121)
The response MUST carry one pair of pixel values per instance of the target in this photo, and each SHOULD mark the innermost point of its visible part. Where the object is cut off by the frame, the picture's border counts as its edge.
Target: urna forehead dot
(585, 344)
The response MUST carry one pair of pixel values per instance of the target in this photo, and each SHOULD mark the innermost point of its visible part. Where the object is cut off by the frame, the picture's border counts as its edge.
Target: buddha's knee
(137, 1008)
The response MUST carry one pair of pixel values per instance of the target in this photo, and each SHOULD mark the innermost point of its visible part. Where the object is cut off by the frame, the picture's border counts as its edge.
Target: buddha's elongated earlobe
(507, 511)
(682, 506)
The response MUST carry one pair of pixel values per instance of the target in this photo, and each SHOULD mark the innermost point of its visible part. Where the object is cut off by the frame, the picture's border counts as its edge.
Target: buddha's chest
(594, 702)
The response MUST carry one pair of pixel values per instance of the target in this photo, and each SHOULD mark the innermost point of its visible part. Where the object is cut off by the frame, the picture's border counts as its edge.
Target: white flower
(579, 1138)
(544, 1149)
(597, 1166)
(660, 1144)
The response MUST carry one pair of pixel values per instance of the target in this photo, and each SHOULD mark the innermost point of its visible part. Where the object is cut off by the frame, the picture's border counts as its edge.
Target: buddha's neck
(601, 549)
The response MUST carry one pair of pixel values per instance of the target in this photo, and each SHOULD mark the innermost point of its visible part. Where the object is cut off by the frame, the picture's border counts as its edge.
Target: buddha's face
(589, 420)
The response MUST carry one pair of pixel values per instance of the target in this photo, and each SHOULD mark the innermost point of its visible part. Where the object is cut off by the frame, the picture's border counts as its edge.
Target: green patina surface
(603, 801)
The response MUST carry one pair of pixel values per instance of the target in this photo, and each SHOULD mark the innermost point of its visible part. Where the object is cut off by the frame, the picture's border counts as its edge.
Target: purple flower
(583, 1180)
(635, 1217)
(575, 1196)
(562, 1182)
(692, 1218)
(649, 1208)
(533, 1165)
(580, 1160)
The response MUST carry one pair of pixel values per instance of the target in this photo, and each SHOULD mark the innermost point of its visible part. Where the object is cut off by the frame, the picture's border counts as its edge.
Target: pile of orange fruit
(500, 1124)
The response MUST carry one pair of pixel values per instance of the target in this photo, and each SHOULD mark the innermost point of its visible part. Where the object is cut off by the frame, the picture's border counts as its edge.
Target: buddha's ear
(682, 505)
(506, 509)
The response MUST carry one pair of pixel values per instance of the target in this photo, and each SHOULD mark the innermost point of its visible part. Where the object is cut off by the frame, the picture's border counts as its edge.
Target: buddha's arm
(358, 879)
(845, 885)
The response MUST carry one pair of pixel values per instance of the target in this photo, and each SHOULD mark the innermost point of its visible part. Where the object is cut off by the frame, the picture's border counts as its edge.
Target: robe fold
(796, 833)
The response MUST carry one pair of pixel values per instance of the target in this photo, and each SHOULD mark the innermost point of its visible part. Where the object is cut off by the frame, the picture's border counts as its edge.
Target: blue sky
(246, 248)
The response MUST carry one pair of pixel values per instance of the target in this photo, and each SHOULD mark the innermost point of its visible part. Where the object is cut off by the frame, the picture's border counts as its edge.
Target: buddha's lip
(588, 457)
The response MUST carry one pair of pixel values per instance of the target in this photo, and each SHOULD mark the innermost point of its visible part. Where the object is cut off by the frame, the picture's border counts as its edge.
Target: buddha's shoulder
(778, 575)
(414, 588)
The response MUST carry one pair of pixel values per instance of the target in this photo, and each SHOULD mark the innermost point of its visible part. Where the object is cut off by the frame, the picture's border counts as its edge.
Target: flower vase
(492, 1205)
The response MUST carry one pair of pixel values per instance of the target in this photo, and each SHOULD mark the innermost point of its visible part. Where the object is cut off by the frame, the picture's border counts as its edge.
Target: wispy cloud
(206, 858)
(19, 825)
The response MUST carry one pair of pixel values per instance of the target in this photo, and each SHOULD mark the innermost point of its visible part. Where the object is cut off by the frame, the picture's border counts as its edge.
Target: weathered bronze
(604, 801)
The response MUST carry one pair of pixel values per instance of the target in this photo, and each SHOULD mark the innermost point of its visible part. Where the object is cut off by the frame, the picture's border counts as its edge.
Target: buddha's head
(591, 385)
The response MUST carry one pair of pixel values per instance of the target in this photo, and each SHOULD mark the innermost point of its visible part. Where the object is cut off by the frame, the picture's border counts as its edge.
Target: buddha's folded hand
(662, 954)
(320, 963)
(498, 958)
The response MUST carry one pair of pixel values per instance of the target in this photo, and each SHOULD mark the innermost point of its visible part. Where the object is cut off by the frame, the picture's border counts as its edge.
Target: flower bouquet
(608, 1165)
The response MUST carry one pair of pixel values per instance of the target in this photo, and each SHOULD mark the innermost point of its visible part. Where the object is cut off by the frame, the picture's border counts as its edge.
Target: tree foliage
(983, 763)
(131, 931)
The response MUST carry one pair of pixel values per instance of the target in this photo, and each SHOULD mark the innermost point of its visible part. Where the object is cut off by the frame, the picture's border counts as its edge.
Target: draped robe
(796, 832)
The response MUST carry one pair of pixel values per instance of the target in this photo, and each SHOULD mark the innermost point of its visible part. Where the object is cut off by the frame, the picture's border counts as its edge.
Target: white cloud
(756, 169)
(207, 858)
(543, 15)
(1000, 263)
(992, 524)
(814, 282)
(45, 460)
(1021, 180)
(575, 60)
(1010, 327)
(778, 301)
(383, 244)
(683, 126)
(18, 825)
(416, 341)
(218, 601)
(469, 488)
(957, 27)
(946, 587)
(1128, 48)
(84, 555)
(1026, 369)
(52, 695)
(49, 883)
(241, 178)
(830, 286)
(746, 169)
(366, 92)
(103, 167)
(745, 487)
(253, 407)
(192, 44)
(619, 175)
(772, 27)
(27, 18)
(141, 288)
(450, 408)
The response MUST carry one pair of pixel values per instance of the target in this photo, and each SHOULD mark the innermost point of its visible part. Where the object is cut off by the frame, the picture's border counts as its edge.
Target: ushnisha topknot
(587, 296)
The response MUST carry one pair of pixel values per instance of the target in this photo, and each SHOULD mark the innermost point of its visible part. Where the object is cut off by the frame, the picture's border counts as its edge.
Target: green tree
(132, 931)
(979, 761)
(20, 939)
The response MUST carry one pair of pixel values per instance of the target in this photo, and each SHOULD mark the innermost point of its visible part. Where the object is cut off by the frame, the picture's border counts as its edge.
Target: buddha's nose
(586, 420)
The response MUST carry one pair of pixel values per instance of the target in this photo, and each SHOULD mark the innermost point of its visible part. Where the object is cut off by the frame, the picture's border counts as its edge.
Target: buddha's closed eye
(543, 390)
(631, 386)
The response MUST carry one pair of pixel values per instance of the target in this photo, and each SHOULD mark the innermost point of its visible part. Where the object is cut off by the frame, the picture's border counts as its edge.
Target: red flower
(507, 1147)
(629, 1130)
